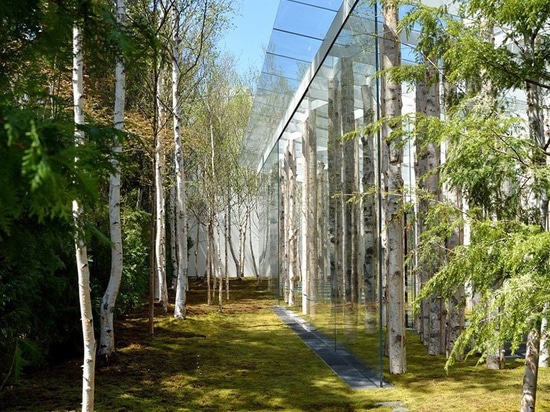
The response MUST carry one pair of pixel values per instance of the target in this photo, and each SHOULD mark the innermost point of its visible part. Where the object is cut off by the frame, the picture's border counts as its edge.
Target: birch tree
(84, 290)
(428, 154)
(107, 308)
(180, 203)
(369, 214)
(292, 227)
(309, 213)
(335, 209)
(393, 219)
(351, 286)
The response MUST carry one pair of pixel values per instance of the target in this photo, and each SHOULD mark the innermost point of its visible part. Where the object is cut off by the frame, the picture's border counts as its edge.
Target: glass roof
(312, 41)
(301, 27)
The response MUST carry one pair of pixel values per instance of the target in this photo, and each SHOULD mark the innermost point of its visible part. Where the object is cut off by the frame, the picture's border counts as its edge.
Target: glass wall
(320, 207)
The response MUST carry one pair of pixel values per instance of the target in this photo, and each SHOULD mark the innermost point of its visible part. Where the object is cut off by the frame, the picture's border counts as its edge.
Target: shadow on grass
(242, 359)
(246, 359)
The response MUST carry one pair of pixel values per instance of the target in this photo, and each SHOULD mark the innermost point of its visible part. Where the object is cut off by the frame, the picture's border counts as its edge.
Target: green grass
(246, 359)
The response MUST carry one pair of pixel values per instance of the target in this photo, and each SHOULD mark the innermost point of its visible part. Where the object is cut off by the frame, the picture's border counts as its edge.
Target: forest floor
(245, 359)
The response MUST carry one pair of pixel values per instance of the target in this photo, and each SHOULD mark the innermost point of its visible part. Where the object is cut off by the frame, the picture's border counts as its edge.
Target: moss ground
(245, 359)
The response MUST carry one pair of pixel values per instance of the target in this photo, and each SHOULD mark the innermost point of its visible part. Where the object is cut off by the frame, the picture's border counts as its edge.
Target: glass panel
(293, 45)
(304, 19)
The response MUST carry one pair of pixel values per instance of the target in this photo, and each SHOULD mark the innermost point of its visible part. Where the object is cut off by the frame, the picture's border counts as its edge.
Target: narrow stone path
(336, 356)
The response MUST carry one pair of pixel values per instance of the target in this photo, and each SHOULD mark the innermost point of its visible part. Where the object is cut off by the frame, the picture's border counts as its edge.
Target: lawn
(245, 359)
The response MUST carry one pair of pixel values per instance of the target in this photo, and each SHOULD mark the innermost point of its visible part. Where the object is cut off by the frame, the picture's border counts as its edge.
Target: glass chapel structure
(318, 210)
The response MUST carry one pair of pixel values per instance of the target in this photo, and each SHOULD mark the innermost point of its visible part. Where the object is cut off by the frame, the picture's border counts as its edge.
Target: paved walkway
(337, 358)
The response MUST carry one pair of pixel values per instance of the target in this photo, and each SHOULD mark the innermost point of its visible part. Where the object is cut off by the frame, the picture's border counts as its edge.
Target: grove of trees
(108, 113)
(121, 131)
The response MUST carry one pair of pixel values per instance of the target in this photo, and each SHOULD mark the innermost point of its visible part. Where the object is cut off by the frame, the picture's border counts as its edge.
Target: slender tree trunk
(530, 376)
(394, 198)
(209, 259)
(213, 251)
(309, 147)
(283, 230)
(218, 265)
(181, 209)
(251, 246)
(348, 125)
(369, 214)
(231, 247)
(84, 290)
(335, 191)
(197, 243)
(107, 308)
(292, 230)
(152, 265)
(160, 206)
(242, 247)
(351, 276)
(428, 153)
(544, 356)
(227, 233)
(173, 235)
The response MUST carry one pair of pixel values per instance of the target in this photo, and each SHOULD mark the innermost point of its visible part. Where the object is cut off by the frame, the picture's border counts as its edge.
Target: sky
(253, 23)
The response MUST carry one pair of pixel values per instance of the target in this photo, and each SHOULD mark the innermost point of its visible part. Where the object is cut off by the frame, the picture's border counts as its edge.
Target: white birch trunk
(242, 247)
(160, 201)
(213, 252)
(530, 376)
(393, 214)
(369, 216)
(84, 290)
(197, 243)
(107, 337)
(283, 229)
(209, 236)
(172, 228)
(348, 125)
(303, 242)
(428, 154)
(227, 234)
(291, 229)
(335, 190)
(231, 247)
(181, 209)
(251, 245)
(544, 355)
(216, 258)
(309, 148)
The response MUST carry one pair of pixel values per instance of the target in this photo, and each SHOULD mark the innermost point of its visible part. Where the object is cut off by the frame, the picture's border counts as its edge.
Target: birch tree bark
(292, 230)
(391, 57)
(348, 125)
(181, 209)
(309, 207)
(160, 202)
(530, 377)
(172, 229)
(428, 155)
(283, 228)
(84, 290)
(256, 272)
(369, 215)
(234, 255)
(335, 190)
(107, 308)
